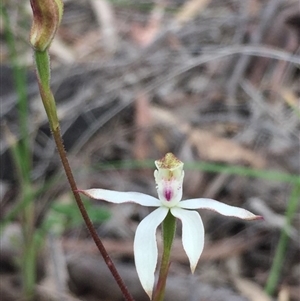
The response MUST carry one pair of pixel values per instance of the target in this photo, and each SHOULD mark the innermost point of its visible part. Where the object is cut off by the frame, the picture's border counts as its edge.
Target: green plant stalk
(22, 160)
(43, 75)
(168, 229)
(28, 262)
(279, 257)
(29, 249)
(19, 206)
(19, 78)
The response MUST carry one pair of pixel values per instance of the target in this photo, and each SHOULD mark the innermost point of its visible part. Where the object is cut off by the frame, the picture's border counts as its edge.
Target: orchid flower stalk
(169, 179)
(47, 15)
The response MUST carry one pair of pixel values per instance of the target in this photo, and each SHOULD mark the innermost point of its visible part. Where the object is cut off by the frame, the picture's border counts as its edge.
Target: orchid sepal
(192, 234)
(118, 197)
(221, 208)
(145, 248)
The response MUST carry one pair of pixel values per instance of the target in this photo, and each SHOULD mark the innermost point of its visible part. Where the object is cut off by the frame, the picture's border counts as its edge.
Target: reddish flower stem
(43, 75)
(89, 224)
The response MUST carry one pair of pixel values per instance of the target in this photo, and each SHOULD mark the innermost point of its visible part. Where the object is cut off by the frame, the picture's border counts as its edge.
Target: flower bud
(47, 15)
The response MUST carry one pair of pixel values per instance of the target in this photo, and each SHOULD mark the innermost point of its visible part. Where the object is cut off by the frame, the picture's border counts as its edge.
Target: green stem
(43, 74)
(19, 77)
(22, 159)
(168, 228)
(29, 253)
(279, 257)
(28, 262)
(19, 206)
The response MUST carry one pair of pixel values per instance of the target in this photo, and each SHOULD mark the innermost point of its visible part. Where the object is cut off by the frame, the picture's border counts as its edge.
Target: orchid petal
(219, 207)
(122, 197)
(145, 248)
(192, 234)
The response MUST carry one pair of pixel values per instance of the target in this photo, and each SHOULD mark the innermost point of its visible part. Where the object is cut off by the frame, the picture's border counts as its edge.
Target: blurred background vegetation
(215, 82)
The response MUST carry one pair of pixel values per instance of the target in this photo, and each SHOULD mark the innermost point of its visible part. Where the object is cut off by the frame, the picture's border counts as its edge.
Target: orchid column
(169, 179)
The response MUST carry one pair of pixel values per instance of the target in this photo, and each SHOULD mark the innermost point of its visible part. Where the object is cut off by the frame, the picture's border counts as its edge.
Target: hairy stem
(43, 74)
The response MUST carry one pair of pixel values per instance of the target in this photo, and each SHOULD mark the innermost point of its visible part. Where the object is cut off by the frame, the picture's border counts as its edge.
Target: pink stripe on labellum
(168, 194)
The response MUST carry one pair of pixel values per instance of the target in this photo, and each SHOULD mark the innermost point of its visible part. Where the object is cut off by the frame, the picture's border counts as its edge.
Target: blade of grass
(22, 159)
(209, 167)
(279, 257)
(19, 206)
(19, 79)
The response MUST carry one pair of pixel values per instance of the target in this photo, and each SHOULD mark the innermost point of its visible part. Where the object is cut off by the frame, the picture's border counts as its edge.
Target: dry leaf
(105, 16)
(210, 147)
(272, 219)
(219, 250)
(145, 35)
(284, 294)
(142, 122)
(218, 149)
(62, 51)
(86, 45)
(290, 98)
(251, 290)
(190, 9)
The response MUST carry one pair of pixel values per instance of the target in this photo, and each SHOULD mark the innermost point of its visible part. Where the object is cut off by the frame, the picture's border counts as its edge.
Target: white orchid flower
(169, 178)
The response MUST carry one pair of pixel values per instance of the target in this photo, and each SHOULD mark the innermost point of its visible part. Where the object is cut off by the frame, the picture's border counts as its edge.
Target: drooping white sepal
(145, 248)
(192, 234)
